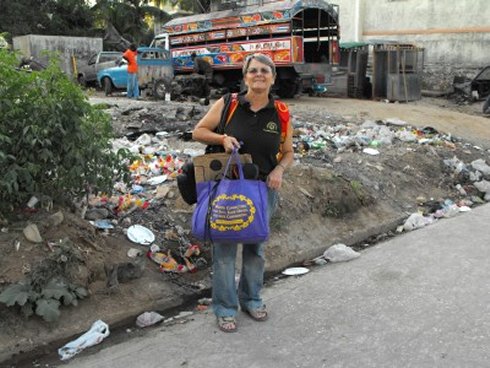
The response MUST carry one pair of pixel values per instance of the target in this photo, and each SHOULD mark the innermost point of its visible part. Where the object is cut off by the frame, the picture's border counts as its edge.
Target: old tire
(160, 88)
(486, 106)
(107, 84)
(288, 88)
(81, 81)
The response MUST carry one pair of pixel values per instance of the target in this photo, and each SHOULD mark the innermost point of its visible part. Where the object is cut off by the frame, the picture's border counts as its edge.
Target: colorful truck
(301, 37)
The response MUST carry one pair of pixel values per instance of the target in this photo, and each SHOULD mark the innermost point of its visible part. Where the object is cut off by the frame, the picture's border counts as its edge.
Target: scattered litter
(416, 221)
(102, 224)
(56, 219)
(166, 262)
(98, 332)
(460, 189)
(340, 253)
(140, 235)
(148, 319)
(133, 252)
(371, 151)
(481, 166)
(32, 202)
(295, 271)
(137, 189)
(157, 180)
(162, 191)
(396, 122)
(305, 192)
(205, 301)
(31, 232)
(184, 315)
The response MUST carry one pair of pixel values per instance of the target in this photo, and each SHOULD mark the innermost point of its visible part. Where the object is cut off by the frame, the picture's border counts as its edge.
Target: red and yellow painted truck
(301, 37)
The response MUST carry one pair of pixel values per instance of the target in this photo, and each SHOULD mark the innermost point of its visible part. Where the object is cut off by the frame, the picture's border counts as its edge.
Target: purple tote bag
(231, 211)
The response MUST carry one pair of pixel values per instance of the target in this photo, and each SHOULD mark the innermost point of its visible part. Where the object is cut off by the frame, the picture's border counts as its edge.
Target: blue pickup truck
(155, 72)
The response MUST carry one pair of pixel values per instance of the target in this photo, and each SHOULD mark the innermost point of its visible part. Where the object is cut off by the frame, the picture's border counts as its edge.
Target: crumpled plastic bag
(148, 319)
(416, 221)
(481, 166)
(340, 253)
(98, 332)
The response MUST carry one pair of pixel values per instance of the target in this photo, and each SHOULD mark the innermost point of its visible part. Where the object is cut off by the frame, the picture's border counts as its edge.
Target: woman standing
(256, 124)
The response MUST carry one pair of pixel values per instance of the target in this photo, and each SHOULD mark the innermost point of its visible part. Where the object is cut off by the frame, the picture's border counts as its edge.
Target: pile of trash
(153, 169)
(368, 136)
(157, 164)
(475, 190)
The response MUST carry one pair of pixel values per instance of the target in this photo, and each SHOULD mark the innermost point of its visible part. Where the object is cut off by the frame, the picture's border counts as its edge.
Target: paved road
(418, 300)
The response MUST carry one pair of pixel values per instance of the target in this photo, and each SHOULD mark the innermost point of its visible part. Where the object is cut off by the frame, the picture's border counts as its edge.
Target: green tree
(71, 17)
(130, 17)
(23, 17)
(49, 17)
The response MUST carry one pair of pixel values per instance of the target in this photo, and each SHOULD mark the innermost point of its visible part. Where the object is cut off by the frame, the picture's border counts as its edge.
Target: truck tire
(288, 88)
(107, 84)
(486, 106)
(81, 80)
(160, 88)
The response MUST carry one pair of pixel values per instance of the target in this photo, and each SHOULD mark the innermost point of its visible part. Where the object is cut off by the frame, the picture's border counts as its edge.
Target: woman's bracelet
(223, 137)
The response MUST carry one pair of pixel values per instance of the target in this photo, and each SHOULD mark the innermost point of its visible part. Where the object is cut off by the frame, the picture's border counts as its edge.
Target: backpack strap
(284, 117)
(231, 107)
(231, 103)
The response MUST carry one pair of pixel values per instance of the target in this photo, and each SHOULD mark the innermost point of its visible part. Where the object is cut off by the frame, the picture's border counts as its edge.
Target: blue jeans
(225, 296)
(133, 90)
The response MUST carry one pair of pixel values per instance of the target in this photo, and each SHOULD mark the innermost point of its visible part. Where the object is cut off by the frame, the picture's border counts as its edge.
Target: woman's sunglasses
(257, 70)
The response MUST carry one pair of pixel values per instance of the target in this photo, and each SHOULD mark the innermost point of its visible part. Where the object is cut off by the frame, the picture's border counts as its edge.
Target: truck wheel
(288, 88)
(106, 82)
(160, 88)
(81, 80)
(486, 106)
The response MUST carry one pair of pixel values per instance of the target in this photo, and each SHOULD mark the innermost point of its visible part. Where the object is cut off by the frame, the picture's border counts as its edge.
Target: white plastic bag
(340, 253)
(416, 221)
(148, 319)
(98, 332)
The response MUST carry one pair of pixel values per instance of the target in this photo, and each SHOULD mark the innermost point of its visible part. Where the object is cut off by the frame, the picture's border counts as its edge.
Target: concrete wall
(455, 34)
(80, 47)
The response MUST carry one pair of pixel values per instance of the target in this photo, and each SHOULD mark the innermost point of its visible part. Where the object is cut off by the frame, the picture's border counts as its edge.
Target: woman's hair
(261, 58)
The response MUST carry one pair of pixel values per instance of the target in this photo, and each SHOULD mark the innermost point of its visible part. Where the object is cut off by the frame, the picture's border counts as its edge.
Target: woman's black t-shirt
(260, 133)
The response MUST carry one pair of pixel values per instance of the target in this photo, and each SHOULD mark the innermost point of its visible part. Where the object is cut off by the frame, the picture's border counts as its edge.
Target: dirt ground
(333, 190)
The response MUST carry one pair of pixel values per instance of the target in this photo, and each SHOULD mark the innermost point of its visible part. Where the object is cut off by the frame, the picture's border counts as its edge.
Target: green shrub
(52, 141)
(48, 286)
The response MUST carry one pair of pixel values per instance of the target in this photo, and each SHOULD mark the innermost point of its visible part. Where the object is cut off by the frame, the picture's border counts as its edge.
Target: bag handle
(234, 156)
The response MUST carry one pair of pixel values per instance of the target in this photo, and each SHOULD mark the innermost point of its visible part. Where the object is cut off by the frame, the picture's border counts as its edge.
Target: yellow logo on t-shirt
(271, 127)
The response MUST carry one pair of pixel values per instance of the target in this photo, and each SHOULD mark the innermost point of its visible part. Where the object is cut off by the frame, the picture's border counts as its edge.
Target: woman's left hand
(274, 179)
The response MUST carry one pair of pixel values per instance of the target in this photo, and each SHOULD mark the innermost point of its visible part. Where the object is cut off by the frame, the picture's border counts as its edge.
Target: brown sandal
(227, 324)
(259, 314)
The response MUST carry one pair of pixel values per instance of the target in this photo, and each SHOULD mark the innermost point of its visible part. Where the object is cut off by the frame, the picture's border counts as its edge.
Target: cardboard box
(211, 166)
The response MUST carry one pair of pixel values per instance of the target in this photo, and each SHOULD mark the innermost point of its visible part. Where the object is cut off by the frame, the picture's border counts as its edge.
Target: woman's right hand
(229, 143)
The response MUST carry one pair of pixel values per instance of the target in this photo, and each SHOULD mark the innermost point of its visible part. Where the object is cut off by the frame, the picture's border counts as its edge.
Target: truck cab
(162, 41)
(300, 36)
